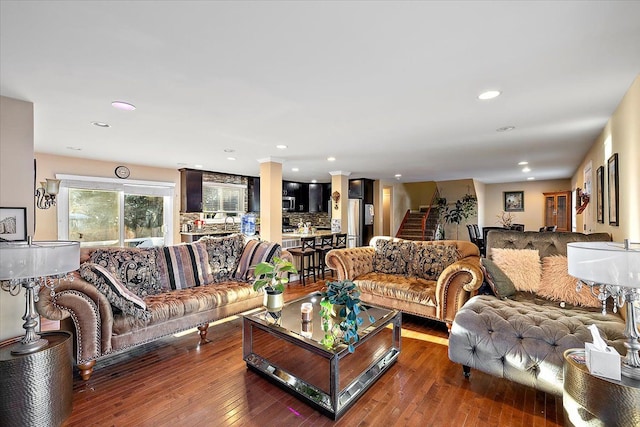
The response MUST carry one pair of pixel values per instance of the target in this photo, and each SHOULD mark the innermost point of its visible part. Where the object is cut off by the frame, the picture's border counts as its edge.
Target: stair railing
(425, 217)
(402, 224)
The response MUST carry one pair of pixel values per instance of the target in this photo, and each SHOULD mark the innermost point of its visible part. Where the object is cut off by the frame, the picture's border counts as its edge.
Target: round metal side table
(37, 388)
(589, 400)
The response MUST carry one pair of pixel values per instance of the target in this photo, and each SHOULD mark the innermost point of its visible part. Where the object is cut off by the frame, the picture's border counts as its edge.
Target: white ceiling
(385, 87)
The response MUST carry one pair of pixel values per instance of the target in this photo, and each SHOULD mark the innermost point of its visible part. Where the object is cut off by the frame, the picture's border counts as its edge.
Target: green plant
(460, 211)
(270, 275)
(345, 295)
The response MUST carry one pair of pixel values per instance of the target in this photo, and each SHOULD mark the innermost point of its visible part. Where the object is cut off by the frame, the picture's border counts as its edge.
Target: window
(107, 212)
(223, 197)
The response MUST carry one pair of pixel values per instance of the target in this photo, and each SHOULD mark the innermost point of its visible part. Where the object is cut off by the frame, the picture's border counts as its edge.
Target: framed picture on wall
(13, 223)
(612, 184)
(600, 195)
(514, 201)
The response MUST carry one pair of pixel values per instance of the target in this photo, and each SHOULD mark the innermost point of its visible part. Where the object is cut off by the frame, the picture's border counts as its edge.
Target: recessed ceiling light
(526, 169)
(331, 159)
(313, 181)
(295, 169)
(121, 105)
(523, 163)
(101, 124)
(398, 175)
(198, 166)
(229, 150)
(505, 129)
(281, 146)
(231, 158)
(490, 94)
(531, 178)
(74, 148)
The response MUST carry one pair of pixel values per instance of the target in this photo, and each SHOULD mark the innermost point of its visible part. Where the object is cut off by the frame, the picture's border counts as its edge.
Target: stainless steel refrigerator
(354, 223)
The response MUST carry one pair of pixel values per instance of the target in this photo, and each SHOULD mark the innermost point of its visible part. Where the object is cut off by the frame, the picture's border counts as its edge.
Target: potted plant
(340, 307)
(456, 213)
(271, 277)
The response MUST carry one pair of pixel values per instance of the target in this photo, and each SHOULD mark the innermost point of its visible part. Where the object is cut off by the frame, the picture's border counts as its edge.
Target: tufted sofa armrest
(88, 309)
(350, 263)
(455, 285)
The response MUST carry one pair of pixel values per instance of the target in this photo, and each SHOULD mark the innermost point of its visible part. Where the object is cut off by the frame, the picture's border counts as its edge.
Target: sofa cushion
(185, 266)
(402, 288)
(499, 282)
(522, 266)
(133, 267)
(253, 254)
(429, 261)
(393, 257)
(224, 255)
(177, 304)
(557, 285)
(116, 292)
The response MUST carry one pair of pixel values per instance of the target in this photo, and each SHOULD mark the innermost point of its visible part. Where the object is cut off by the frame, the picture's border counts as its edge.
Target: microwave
(288, 204)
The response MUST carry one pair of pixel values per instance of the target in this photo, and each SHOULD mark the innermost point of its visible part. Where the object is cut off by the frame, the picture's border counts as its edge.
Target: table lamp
(31, 265)
(612, 270)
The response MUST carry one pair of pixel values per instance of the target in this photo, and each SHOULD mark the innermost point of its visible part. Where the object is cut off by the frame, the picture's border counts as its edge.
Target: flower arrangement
(505, 219)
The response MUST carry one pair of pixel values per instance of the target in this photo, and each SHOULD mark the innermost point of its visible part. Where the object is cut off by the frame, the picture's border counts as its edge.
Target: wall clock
(122, 172)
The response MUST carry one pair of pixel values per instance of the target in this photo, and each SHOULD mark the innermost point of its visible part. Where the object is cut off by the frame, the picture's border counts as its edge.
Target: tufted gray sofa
(523, 338)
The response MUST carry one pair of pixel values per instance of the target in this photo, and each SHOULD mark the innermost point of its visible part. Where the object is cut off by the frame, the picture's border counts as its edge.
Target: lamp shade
(20, 260)
(605, 263)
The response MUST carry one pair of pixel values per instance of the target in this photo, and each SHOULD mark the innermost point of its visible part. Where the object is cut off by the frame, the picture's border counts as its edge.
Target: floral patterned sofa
(124, 297)
(432, 279)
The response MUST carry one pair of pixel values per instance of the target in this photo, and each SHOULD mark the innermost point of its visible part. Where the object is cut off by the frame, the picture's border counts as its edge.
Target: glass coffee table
(291, 354)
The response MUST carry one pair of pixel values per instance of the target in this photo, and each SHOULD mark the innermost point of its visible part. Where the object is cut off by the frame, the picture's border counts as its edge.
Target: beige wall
(420, 193)
(624, 130)
(533, 215)
(16, 190)
(49, 165)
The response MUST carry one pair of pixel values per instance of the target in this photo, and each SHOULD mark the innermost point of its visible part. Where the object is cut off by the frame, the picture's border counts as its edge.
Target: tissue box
(603, 363)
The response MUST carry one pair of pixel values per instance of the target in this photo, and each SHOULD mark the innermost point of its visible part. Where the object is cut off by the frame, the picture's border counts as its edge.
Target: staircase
(411, 227)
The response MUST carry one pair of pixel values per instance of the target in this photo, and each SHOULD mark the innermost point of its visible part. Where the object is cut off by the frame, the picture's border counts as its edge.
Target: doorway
(387, 193)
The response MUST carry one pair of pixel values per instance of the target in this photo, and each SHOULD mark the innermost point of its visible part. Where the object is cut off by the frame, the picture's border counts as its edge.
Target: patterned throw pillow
(429, 261)
(117, 293)
(224, 255)
(522, 266)
(499, 282)
(392, 257)
(185, 265)
(557, 285)
(254, 253)
(133, 267)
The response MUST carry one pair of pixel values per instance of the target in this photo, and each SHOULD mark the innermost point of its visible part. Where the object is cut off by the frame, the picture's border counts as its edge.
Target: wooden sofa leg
(202, 330)
(86, 369)
(466, 371)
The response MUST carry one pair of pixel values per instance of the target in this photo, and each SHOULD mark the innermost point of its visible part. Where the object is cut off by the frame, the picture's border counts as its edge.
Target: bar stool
(306, 252)
(326, 244)
(341, 241)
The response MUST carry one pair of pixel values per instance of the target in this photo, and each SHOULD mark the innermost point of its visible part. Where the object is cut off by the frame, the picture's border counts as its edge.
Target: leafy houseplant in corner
(271, 277)
(340, 307)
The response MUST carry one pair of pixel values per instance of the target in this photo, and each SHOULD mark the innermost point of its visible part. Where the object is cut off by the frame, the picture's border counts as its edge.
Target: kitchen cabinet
(361, 189)
(318, 198)
(254, 194)
(557, 210)
(190, 190)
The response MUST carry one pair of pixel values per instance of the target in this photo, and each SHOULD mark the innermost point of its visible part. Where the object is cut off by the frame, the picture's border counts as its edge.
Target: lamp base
(30, 347)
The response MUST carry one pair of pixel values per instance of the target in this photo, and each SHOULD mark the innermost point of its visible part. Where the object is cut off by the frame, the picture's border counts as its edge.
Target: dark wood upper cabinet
(361, 189)
(190, 190)
(254, 194)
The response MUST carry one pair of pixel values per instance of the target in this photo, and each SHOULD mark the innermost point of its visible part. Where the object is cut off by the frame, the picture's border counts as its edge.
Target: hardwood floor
(174, 382)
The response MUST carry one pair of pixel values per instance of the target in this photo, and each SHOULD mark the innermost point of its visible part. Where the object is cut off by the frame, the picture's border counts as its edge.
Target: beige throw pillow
(557, 285)
(522, 266)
